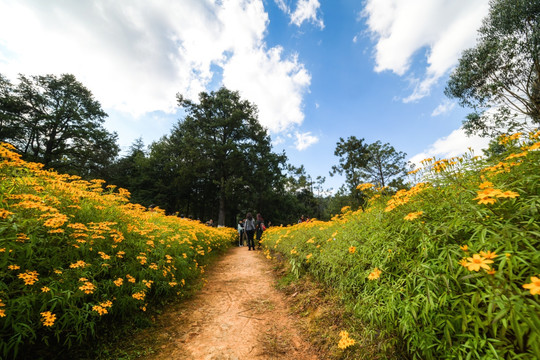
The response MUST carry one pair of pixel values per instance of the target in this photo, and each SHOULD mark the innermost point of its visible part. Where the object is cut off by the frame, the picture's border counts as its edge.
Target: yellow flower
(309, 256)
(139, 295)
(345, 340)
(14, 267)
(365, 186)
(489, 254)
(118, 282)
(78, 264)
(352, 249)
(477, 262)
(413, 215)
(4, 213)
(45, 289)
(87, 287)
(48, 318)
(507, 194)
(375, 274)
(485, 185)
(130, 278)
(29, 277)
(464, 247)
(2, 311)
(103, 255)
(533, 286)
(99, 309)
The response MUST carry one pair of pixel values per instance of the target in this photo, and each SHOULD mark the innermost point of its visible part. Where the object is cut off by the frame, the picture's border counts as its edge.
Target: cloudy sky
(318, 70)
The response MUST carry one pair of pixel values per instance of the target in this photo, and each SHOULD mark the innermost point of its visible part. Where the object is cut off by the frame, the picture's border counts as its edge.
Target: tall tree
(500, 77)
(56, 121)
(224, 153)
(352, 155)
(352, 160)
(385, 165)
(378, 163)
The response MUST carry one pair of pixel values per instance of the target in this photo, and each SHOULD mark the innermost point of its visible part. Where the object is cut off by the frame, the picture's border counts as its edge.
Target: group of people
(251, 228)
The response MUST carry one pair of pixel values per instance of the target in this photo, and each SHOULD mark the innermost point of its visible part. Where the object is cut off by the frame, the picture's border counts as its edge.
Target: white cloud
(305, 140)
(274, 84)
(136, 55)
(444, 28)
(443, 108)
(455, 144)
(306, 11)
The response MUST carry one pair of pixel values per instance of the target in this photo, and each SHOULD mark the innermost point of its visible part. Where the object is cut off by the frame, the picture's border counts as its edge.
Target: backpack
(249, 224)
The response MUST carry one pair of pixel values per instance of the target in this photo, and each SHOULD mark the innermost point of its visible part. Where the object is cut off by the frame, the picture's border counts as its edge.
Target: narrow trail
(237, 315)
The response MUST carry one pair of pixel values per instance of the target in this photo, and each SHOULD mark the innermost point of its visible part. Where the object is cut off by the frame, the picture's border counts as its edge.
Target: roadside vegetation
(449, 269)
(77, 258)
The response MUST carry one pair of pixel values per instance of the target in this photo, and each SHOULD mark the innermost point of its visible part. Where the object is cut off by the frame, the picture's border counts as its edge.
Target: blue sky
(317, 70)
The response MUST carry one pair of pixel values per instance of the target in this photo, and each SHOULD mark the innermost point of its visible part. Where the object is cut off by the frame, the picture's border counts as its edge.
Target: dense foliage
(359, 162)
(76, 257)
(56, 121)
(449, 269)
(499, 78)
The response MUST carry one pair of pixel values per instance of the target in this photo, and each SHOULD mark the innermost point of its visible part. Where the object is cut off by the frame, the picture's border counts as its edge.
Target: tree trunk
(221, 216)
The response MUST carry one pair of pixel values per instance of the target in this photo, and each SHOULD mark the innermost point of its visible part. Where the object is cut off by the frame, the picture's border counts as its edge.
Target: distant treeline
(216, 163)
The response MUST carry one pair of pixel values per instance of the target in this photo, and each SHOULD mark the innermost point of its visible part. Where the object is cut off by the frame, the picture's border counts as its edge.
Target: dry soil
(237, 315)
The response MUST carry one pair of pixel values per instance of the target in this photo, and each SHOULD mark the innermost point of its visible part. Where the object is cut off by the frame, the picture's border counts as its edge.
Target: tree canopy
(500, 77)
(56, 121)
(378, 163)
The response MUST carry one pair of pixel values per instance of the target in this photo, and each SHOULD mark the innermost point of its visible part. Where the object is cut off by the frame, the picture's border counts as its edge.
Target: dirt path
(237, 315)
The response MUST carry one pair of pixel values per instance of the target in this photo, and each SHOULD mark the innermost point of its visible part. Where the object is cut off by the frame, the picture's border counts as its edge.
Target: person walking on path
(240, 233)
(249, 228)
(259, 226)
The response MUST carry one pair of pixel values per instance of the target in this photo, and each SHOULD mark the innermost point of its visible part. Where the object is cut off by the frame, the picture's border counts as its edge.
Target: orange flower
(533, 286)
(352, 249)
(88, 287)
(48, 318)
(345, 340)
(464, 247)
(29, 277)
(375, 274)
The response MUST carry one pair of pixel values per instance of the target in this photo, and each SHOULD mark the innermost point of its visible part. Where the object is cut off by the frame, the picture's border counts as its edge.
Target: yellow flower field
(421, 269)
(73, 253)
